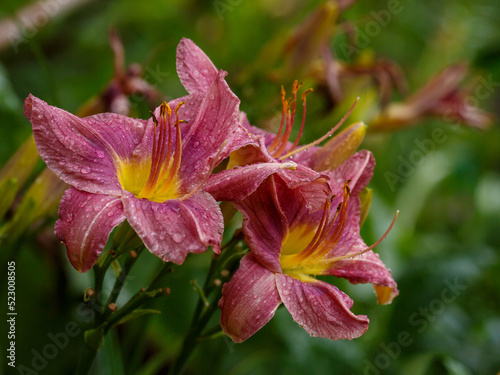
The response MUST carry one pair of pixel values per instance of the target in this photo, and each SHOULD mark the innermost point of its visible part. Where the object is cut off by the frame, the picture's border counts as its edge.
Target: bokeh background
(443, 251)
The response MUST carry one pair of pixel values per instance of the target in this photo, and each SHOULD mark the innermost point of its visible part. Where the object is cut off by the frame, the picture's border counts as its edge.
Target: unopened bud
(217, 282)
(166, 291)
(112, 306)
(224, 273)
(133, 254)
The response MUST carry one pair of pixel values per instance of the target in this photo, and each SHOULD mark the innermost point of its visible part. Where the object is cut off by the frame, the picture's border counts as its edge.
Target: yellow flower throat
(156, 177)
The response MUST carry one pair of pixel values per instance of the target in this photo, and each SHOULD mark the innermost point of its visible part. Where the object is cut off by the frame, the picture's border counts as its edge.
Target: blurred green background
(443, 250)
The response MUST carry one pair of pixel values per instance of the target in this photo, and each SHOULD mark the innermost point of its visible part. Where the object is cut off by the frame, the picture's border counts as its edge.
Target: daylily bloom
(290, 245)
(148, 172)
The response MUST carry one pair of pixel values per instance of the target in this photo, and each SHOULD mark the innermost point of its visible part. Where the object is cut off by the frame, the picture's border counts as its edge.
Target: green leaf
(21, 164)
(94, 338)
(8, 191)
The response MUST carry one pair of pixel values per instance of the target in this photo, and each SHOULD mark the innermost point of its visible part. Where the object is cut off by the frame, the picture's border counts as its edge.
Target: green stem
(203, 311)
(94, 336)
(119, 282)
(139, 298)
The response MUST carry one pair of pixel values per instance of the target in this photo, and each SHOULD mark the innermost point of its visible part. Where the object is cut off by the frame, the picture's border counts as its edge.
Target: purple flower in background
(148, 172)
(290, 245)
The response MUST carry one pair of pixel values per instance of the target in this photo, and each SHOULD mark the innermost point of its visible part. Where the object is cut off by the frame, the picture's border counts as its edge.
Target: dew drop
(196, 144)
(85, 170)
(178, 237)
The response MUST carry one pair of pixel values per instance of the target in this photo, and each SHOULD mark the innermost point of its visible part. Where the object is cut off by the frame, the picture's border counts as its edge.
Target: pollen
(155, 176)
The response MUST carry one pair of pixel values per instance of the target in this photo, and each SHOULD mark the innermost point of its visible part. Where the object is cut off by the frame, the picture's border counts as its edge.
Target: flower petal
(365, 268)
(320, 308)
(206, 219)
(195, 70)
(308, 186)
(249, 300)
(85, 222)
(217, 122)
(358, 168)
(174, 228)
(83, 152)
(238, 183)
(385, 294)
(264, 225)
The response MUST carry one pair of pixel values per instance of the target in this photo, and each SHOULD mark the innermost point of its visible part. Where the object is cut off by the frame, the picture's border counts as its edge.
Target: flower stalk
(106, 318)
(232, 252)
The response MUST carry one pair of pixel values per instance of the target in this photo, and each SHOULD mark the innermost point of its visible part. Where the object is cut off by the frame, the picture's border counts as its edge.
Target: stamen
(331, 239)
(156, 155)
(176, 163)
(347, 256)
(168, 156)
(317, 236)
(318, 141)
(164, 166)
(323, 241)
(290, 120)
(303, 119)
(284, 105)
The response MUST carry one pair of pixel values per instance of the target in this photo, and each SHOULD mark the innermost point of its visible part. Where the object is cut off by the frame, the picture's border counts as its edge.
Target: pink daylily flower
(148, 172)
(252, 163)
(290, 245)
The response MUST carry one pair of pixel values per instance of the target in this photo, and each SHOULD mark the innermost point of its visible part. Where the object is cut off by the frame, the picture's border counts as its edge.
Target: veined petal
(249, 300)
(311, 186)
(172, 229)
(195, 70)
(264, 225)
(237, 184)
(320, 308)
(307, 157)
(85, 222)
(367, 268)
(302, 205)
(217, 122)
(358, 168)
(83, 152)
(206, 218)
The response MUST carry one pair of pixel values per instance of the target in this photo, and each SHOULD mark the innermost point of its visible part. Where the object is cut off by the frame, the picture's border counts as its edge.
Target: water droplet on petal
(178, 237)
(196, 144)
(85, 170)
